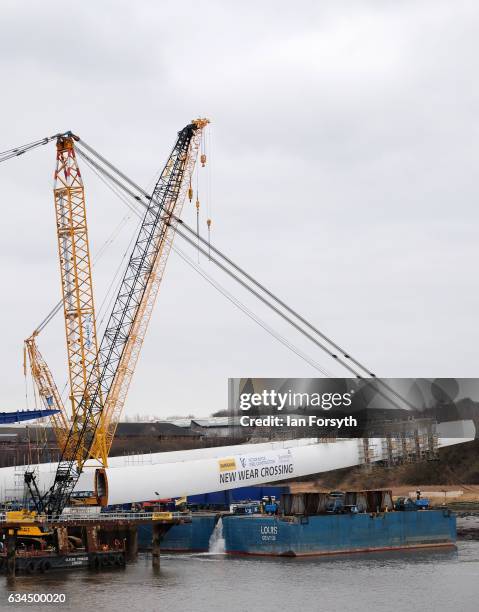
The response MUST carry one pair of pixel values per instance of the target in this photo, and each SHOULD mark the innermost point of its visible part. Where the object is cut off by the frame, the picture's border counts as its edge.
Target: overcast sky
(344, 144)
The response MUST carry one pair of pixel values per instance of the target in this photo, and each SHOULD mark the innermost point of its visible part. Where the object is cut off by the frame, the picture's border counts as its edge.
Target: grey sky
(344, 146)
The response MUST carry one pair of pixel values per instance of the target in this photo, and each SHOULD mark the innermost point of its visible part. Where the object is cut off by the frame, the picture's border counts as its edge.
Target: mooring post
(155, 546)
(132, 543)
(11, 551)
(91, 538)
(62, 540)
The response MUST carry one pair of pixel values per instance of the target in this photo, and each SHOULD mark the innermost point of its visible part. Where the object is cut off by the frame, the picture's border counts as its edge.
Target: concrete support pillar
(132, 543)
(11, 551)
(155, 546)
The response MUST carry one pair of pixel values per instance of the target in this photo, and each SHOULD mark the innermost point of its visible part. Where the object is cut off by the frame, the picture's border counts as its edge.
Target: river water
(426, 581)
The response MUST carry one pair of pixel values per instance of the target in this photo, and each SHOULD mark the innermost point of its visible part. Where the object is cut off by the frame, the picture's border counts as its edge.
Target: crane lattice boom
(47, 390)
(171, 212)
(95, 416)
(77, 285)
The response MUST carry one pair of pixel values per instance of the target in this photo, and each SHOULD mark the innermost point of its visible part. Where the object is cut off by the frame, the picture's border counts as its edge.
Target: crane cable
(212, 248)
(96, 258)
(216, 284)
(5, 155)
(209, 197)
(249, 312)
(219, 264)
(29, 146)
(192, 242)
(21, 149)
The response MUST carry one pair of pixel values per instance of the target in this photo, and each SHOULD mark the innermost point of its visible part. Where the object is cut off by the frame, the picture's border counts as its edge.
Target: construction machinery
(77, 301)
(77, 290)
(100, 376)
(47, 390)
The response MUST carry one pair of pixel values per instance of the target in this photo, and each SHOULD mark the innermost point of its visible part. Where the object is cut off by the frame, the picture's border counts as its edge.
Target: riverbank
(439, 494)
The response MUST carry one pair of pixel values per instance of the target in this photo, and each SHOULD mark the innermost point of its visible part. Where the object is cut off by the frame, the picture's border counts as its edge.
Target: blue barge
(297, 536)
(188, 537)
(206, 509)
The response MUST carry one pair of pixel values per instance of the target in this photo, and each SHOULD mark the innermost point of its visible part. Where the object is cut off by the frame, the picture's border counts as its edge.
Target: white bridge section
(175, 474)
(253, 464)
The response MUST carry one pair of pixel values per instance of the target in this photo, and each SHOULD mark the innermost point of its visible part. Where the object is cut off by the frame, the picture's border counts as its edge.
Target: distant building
(219, 427)
(159, 430)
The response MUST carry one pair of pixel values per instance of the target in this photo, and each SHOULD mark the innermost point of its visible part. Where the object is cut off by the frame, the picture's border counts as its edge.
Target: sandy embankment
(467, 493)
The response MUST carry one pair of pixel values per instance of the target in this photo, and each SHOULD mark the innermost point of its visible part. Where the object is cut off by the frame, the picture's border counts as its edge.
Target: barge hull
(301, 536)
(351, 551)
(189, 537)
(42, 564)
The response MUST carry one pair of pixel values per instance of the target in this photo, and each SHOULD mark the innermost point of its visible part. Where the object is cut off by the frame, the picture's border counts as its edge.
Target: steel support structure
(171, 212)
(47, 391)
(111, 372)
(77, 286)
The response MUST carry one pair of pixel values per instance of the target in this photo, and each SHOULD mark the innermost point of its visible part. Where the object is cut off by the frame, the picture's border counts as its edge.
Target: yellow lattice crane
(76, 279)
(47, 389)
(100, 377)
(77, 299)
